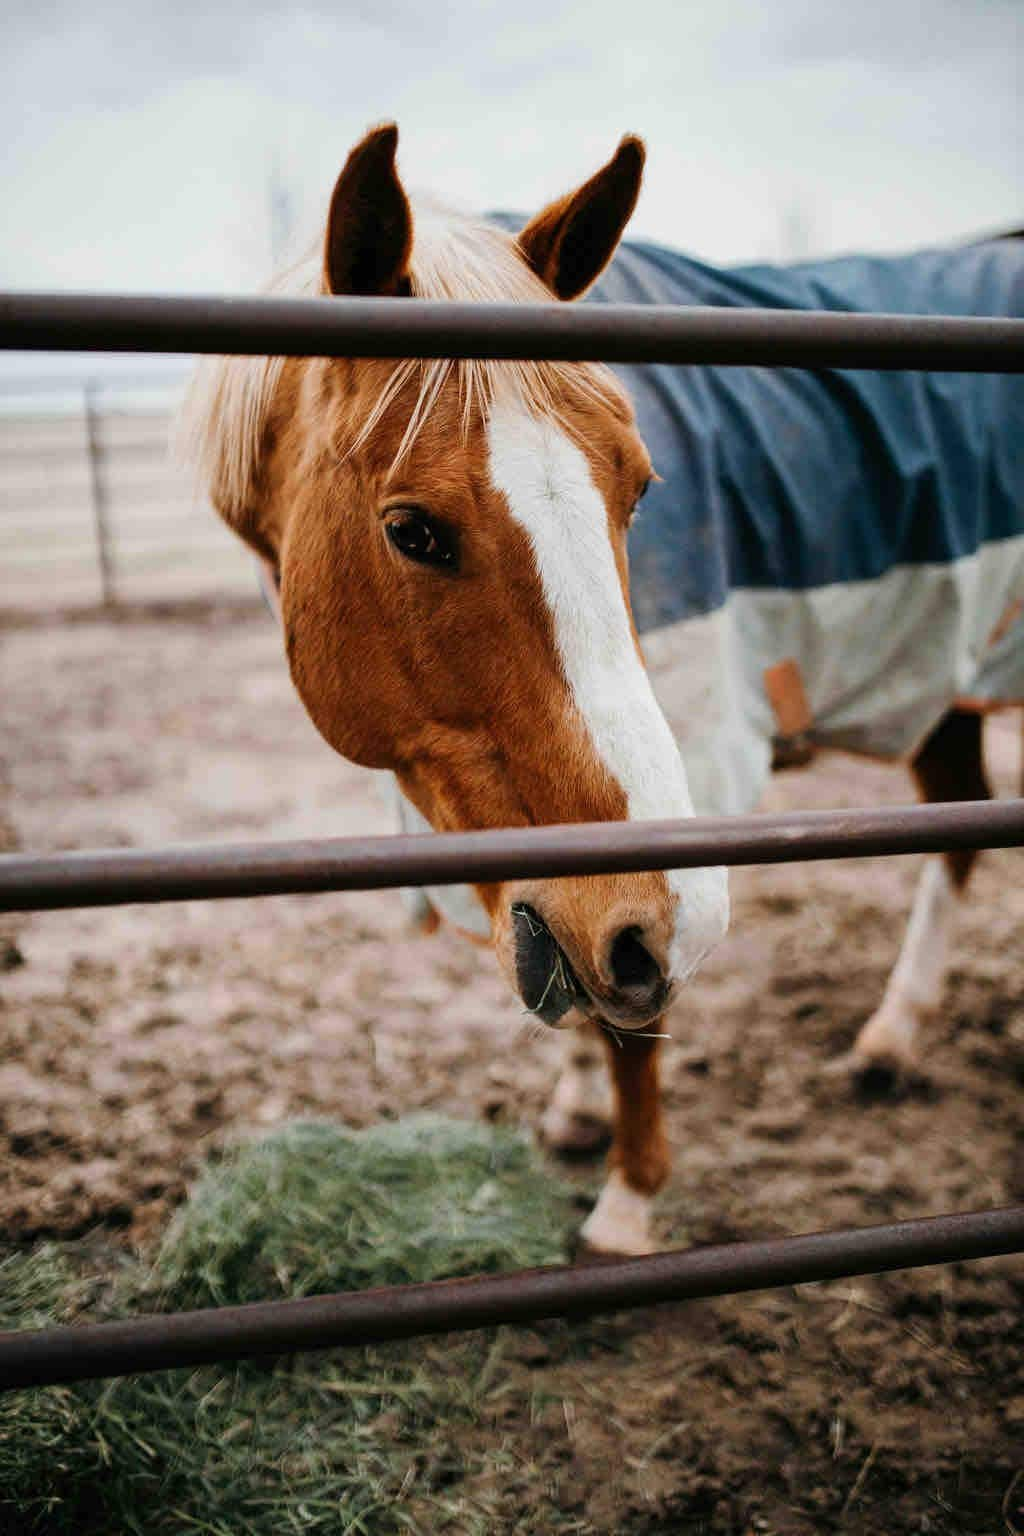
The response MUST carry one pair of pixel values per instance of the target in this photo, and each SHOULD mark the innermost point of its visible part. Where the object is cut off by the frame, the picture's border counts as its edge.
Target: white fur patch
(914, 989)
(921, 967)
(621, 1220)
(547, 484)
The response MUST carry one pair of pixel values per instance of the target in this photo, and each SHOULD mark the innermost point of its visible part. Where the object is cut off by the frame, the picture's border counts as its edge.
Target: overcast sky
(139, 141)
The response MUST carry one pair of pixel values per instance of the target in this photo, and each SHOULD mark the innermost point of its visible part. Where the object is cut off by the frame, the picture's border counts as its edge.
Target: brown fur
(640, 1148)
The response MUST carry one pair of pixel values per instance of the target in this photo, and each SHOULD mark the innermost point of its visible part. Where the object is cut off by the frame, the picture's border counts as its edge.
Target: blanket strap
(791, 744)
(1008, 618)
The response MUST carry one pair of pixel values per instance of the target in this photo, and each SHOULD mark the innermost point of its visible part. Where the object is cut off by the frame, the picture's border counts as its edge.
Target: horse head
(449, 544)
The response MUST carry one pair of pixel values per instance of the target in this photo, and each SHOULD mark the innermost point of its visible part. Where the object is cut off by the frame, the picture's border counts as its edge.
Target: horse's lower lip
(619, 1016)
(596, 1011)
(629, 1024)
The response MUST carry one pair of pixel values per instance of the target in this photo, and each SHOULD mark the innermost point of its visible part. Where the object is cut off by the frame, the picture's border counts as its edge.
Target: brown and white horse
(448, 541)
(449, 545)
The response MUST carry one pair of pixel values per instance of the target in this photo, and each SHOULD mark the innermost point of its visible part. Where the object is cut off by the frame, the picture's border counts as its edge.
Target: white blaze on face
(546, 481)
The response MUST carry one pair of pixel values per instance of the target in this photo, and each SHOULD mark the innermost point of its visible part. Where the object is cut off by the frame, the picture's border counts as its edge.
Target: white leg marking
(621, 1220)
(914, 990)
(579, 1114)
(546, 481)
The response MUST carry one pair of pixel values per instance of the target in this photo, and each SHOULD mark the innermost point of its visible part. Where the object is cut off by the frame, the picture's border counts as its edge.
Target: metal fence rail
(43, 1357)
(614, 333)
(111, 878)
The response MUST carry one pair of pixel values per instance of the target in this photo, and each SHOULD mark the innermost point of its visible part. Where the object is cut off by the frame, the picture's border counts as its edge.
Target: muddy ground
(135, 1041)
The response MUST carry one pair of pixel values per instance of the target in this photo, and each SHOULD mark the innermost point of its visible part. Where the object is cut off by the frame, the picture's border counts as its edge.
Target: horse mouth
(551, 989)
(547, 982)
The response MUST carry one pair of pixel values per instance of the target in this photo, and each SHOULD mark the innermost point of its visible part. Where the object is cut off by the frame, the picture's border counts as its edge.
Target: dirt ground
(134, 1041)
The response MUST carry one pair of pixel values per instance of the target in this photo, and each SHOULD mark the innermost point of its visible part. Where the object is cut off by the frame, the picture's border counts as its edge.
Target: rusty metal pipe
(614, 333)
(41, 1358)
(113, 877)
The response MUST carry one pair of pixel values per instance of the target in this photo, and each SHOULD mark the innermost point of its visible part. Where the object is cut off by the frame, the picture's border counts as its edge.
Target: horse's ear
(369, 227)
(571, 242)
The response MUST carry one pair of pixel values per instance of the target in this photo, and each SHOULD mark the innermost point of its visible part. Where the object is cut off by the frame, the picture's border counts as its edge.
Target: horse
(450, 546)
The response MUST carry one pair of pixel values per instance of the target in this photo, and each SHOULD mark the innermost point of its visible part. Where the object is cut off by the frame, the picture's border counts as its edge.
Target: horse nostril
(633, 966)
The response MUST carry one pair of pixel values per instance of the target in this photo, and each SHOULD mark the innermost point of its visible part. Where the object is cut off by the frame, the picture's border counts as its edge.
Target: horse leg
(578, 1118)
(949, 766)
(420, 913)
(638, 1163)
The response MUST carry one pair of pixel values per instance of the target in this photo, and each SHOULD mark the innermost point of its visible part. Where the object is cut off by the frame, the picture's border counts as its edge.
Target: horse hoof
(884, 1075)
(576, 1135)
(584, 1254)
(619, 1226)
(876, 1077)
(583, 1251)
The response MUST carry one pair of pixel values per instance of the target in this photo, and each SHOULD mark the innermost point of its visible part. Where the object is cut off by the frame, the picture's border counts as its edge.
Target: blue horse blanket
(787, 480)
(864, 529)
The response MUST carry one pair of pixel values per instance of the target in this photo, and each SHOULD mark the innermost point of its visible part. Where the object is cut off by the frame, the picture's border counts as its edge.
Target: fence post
(99, 496)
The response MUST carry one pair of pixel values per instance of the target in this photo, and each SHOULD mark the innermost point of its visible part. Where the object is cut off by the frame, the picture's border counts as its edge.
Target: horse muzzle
(630, 992)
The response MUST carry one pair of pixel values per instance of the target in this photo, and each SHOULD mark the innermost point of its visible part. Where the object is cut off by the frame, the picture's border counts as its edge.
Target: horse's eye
(418, 537)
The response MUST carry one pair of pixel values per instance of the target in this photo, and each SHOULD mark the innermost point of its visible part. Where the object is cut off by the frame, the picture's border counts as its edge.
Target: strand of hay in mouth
(322, 1444)
(557, 978)
(561, 977)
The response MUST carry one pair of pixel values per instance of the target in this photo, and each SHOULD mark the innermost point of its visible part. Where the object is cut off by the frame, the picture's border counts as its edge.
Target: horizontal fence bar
(45, 1357)
(614, 333)
(111, 878)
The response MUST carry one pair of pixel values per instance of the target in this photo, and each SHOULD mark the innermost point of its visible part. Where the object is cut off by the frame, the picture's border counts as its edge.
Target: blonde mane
(454, 256)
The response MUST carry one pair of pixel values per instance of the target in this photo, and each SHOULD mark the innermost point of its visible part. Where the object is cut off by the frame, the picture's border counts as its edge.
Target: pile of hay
(358, 1441)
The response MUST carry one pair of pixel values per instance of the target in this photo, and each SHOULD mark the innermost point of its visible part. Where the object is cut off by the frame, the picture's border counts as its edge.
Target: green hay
(314, 1208)
(359, 1441)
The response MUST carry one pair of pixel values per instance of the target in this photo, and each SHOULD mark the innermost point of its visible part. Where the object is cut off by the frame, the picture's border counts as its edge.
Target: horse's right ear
(570, 242)
(369, 227)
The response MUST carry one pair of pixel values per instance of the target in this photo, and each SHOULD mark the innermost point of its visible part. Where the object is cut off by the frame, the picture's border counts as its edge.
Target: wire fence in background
(95, 510)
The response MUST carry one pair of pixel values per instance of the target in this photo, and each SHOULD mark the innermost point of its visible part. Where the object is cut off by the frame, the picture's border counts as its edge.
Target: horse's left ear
(571, 242)
(369, 227)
